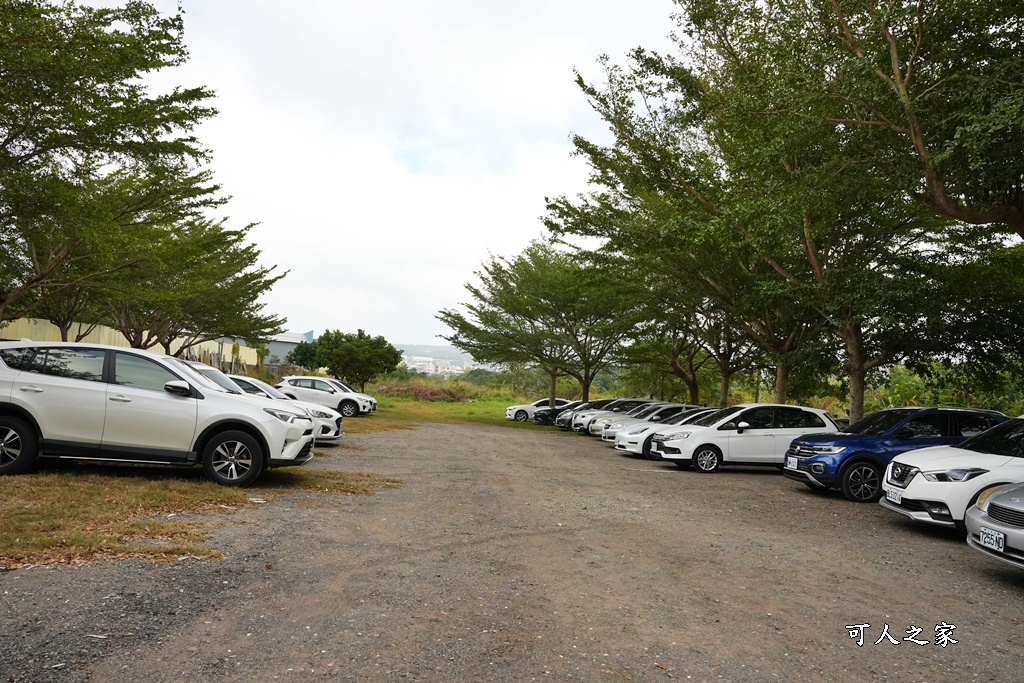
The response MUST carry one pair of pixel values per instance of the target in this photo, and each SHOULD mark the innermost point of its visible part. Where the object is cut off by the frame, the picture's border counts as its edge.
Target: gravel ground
(529, 555)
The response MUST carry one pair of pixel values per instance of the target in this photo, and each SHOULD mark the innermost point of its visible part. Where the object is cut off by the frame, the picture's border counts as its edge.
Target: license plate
(791, 463)
(894, 496)
(996, 540)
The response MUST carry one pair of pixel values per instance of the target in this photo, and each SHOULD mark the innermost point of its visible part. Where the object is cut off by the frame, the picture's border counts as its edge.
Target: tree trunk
(781, 381)
(553, 387)
(723, 393)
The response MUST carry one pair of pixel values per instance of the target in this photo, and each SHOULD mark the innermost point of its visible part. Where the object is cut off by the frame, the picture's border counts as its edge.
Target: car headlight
(959, 474)
(318, 414)
(638, 431)
(982, 503)
(825, 450)
(615, 425)
(284, 415)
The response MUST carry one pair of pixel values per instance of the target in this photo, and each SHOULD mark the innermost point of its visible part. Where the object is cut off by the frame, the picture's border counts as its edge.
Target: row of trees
(826, 187)
(356, 358)
(105, 203)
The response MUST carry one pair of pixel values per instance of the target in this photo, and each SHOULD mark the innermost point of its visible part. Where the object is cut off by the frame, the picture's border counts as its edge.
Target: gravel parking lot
(530, 555)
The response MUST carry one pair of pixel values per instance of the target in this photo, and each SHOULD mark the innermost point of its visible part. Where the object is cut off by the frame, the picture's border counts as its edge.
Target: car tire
(862, 482)
(520, 416)
(707, 459)
(19, 445)
(232, 458)
(348, 409)
(645, 450)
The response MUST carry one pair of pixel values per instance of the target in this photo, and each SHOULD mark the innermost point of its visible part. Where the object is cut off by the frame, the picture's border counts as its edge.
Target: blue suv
(855, 459)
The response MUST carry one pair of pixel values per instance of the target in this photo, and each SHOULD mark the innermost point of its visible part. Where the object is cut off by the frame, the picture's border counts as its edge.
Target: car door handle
(33, 389)
(120, 399)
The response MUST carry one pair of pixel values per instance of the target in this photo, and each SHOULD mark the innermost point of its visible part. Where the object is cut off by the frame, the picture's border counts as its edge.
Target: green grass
(404, 413)
(80, 514)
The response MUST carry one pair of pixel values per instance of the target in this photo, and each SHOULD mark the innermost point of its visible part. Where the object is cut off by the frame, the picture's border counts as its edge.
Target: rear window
(1003, 439)
(18, 359)
(74, 363)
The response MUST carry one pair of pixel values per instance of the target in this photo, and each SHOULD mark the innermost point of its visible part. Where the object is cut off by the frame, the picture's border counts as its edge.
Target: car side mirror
(741, 426)
(656, 418)
(178, 387)
(904, 433)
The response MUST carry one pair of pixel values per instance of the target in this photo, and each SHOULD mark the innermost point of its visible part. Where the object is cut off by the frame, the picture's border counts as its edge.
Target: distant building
(283, 344)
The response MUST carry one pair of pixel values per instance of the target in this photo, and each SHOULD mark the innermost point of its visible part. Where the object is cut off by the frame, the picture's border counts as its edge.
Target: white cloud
(386, 149)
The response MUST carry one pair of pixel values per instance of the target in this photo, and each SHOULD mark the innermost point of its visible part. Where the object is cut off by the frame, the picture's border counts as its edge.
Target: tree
(357, 358)
(74, 110)
(304, 355)
(200, 281)
(546, 308)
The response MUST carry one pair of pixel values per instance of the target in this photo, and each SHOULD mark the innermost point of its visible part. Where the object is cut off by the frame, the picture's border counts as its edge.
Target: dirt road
(530, 555)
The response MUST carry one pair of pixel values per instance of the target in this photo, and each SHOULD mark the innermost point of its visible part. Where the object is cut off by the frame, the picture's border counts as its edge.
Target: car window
(928, 426)
(258, 387)
(1006, 438)
(304, 383)
(72, 363)
(879, 423)
(321, 385)
(135, 371)
(757, 418)
(19, 358)
(971, 424)
(715, 417)
(795, 418)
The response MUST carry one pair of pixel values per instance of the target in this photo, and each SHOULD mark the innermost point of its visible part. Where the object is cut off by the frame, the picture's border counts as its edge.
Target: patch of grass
(405, 413)
(82, 514)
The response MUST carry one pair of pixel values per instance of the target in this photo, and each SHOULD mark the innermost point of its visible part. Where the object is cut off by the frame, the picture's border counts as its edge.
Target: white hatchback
(937, 485)
(329, 392)
(113, 404)
(744, 434)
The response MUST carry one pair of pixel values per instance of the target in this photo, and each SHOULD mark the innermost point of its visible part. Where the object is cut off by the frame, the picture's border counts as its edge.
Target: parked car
(522, 413)
(596, 426)
(655, 413)
(937, 485)
(855, 459)
(637, 439)
(328, 392)
(546, 416)
(747, 434)
(328, 423)
(564, 419)
(995, 524)
(581, 419)
(99, 403)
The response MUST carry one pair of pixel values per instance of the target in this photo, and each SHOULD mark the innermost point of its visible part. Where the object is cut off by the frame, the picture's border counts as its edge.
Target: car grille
(911, 505)
(305, 451)
(900, 475)
(801, 451)
(1006, 515)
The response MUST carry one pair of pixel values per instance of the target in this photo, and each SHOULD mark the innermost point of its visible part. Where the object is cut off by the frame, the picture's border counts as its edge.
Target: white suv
(113, 404)
(329, 392)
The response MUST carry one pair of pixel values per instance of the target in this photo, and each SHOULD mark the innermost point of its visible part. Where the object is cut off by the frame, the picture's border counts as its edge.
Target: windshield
(220, 378)
(271, 391)
(1003, 439)
(644, 409)
(194, 375)
(342, 385)
(712, 418)
(878, 423)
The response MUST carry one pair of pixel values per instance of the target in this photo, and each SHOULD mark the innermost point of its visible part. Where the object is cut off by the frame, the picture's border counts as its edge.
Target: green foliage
(356, 358)
(75, 118)
(303, 355)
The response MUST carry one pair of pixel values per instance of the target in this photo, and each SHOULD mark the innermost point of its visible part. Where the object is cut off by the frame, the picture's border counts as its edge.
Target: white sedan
(937, 485)
(525, 413)
(327, 422)
(636, 438)
(745, 434)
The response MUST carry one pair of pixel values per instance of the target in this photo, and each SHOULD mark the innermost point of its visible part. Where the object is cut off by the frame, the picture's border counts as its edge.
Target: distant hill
(449, 353)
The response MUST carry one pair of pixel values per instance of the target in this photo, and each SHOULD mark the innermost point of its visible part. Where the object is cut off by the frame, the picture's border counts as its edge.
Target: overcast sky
(387, 149)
